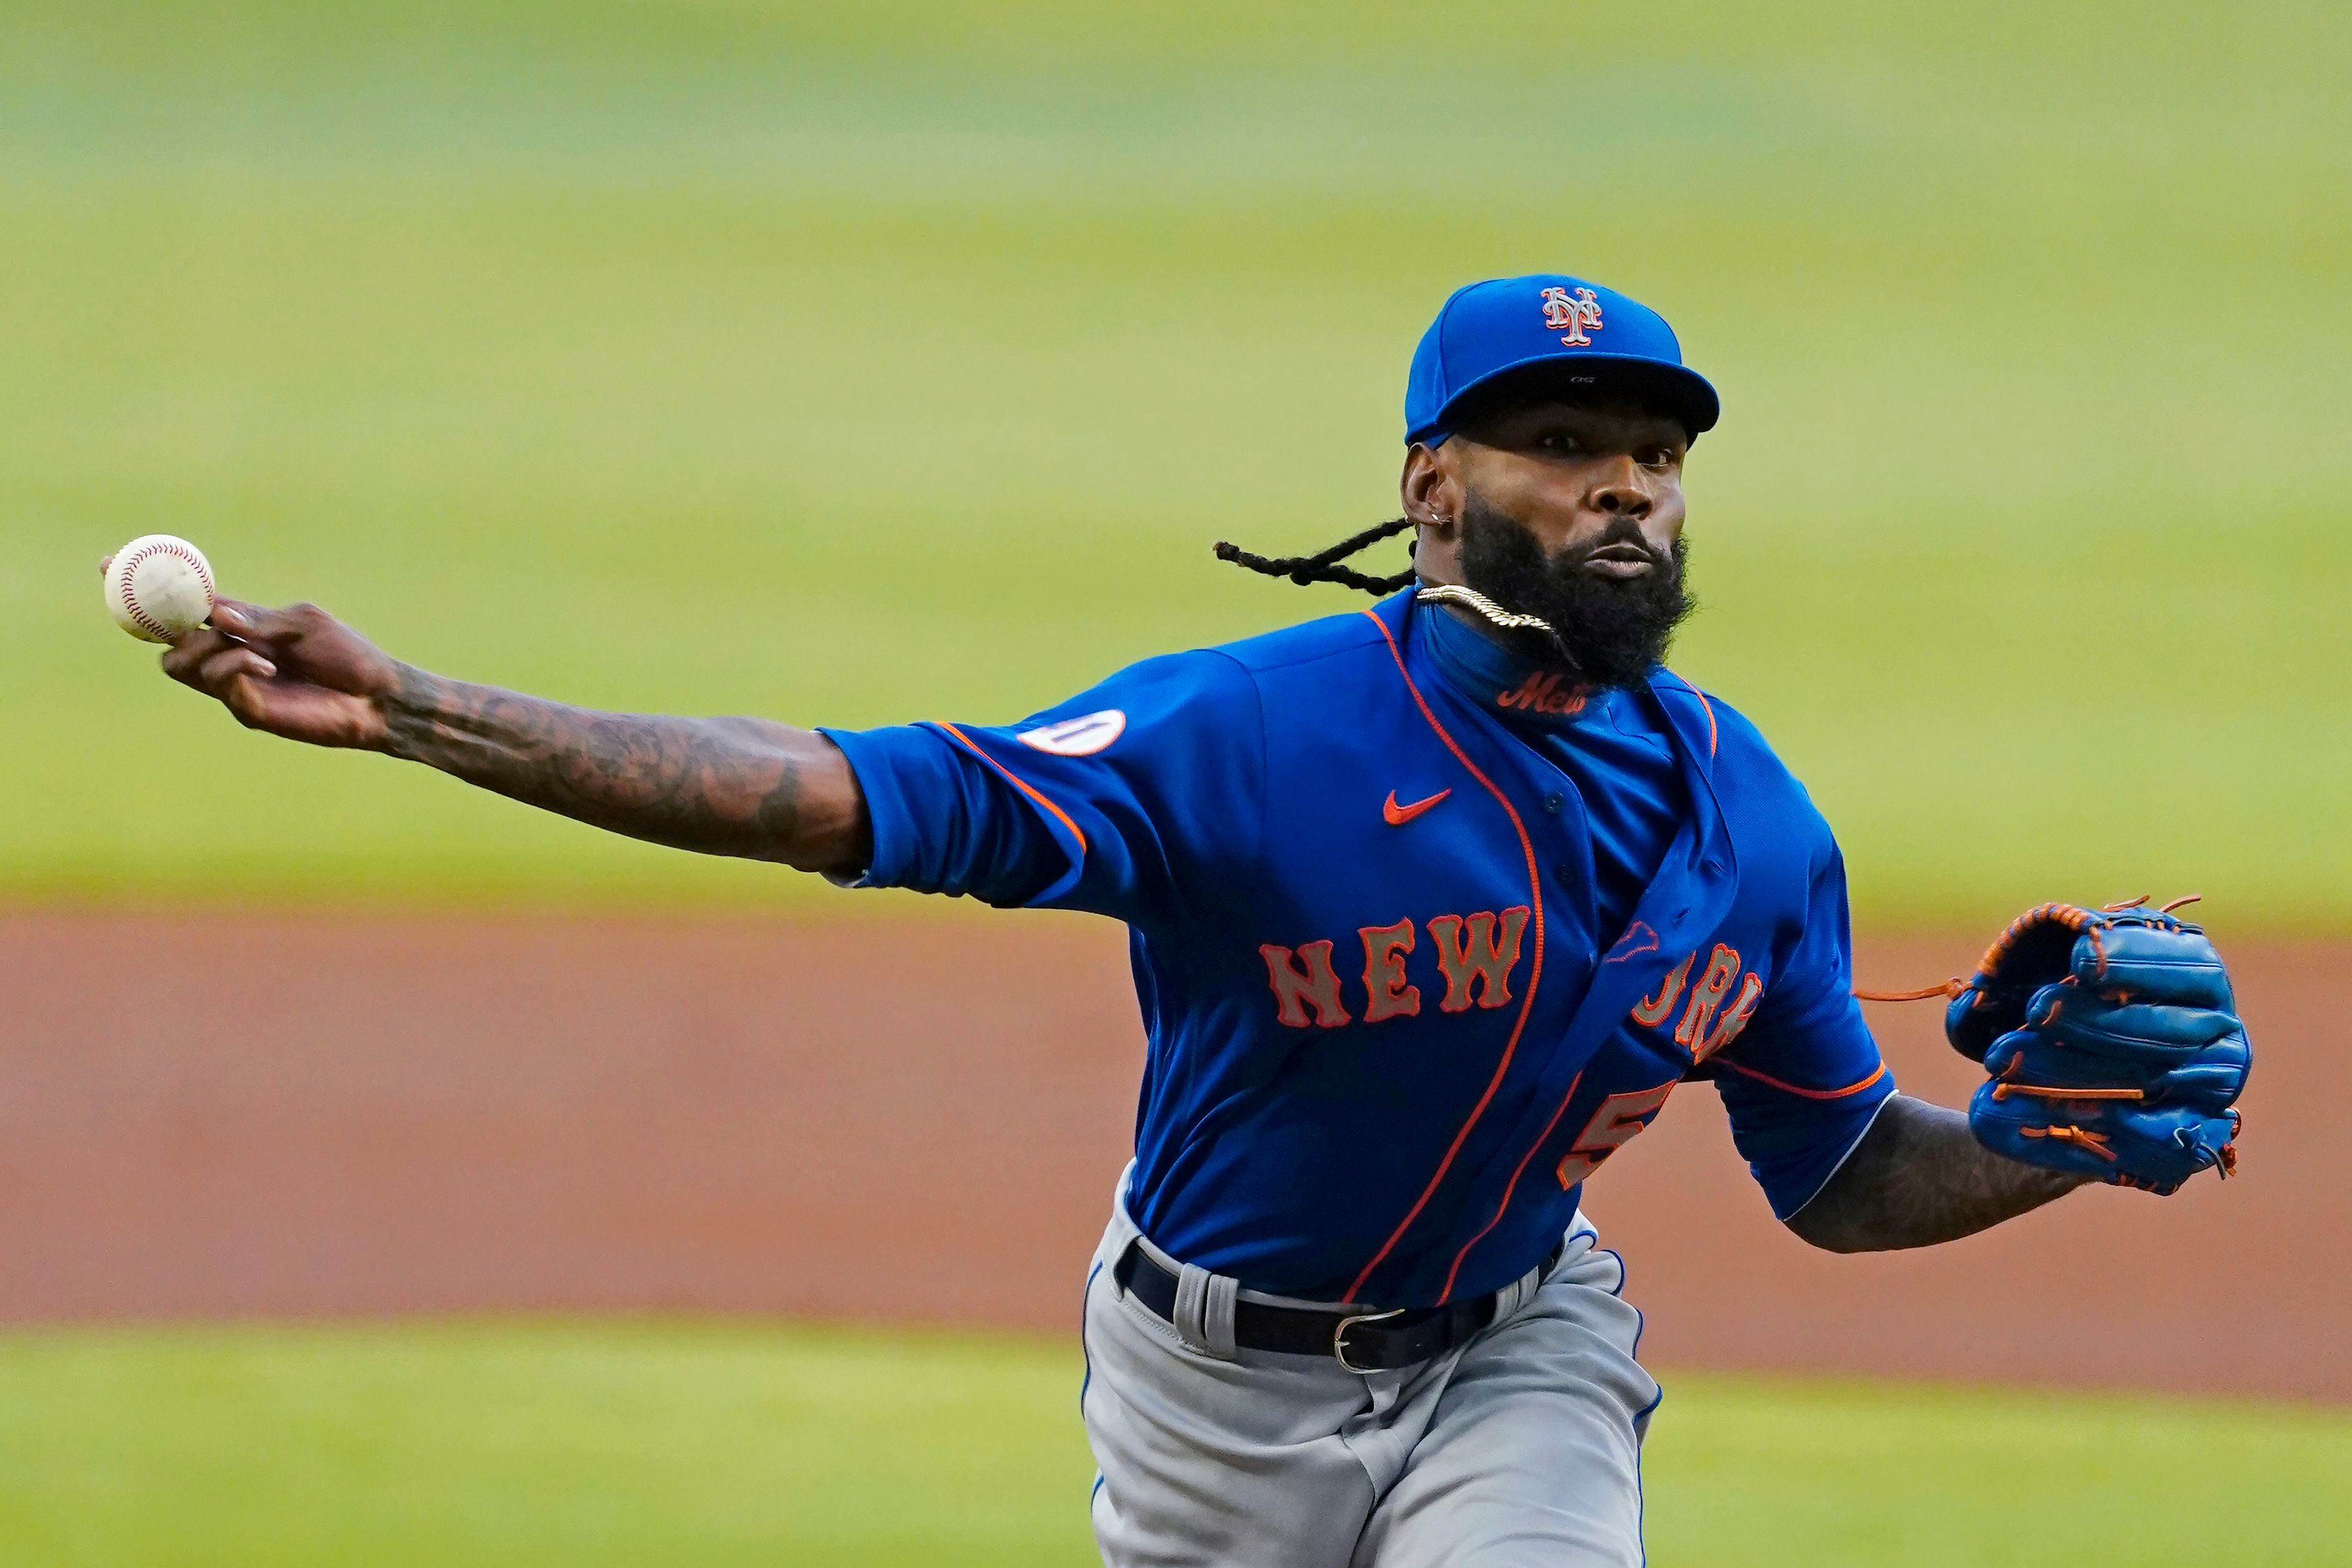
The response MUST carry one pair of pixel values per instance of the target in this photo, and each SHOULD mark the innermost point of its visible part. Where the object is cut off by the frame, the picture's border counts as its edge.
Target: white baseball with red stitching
(159, 587)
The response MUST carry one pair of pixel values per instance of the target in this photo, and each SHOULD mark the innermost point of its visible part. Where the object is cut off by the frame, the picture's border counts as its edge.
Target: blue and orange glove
(2113, 1044)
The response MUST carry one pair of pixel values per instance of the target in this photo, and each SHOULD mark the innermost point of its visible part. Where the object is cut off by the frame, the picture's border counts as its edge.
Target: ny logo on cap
(1571, 315)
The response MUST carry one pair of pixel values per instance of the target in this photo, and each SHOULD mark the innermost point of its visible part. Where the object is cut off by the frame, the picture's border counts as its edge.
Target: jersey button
(1554, 801)
(1564, 872)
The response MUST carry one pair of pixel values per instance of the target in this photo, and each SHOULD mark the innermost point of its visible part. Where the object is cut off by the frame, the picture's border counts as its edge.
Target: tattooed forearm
(1920, 1177)
(723, 786)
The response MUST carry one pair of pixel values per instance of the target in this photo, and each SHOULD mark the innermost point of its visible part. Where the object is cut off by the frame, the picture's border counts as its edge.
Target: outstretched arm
(1920, 1177)
(723, 786)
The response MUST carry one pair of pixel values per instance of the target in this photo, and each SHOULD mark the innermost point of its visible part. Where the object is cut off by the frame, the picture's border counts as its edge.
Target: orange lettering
(1479, 956)
(1735, 1019)
(1390, 994)
(1706, 996)
(1652, 1010)
(1524, 697)
(1612, 1126)
(1543, 693)
(1295, 990)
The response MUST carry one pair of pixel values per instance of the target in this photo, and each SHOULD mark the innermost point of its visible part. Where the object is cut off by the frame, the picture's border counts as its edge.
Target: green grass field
(517, 1445)
(852, 363)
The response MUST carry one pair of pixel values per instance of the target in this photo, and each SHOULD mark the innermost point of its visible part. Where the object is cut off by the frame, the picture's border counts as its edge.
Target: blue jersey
(1421, 936)
(1625, 794)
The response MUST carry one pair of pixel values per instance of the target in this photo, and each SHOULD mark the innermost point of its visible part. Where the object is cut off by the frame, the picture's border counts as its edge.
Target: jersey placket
(1566, 858)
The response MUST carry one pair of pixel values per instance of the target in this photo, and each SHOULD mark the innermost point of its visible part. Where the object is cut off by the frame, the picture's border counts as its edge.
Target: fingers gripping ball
(159, 588)
(2113, 1045)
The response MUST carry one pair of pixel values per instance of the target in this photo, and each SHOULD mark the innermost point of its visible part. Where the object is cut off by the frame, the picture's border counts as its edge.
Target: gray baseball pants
(1519, 1448)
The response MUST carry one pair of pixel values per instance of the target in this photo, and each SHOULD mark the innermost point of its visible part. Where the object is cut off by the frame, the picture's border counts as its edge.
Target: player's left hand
(2114, 1043)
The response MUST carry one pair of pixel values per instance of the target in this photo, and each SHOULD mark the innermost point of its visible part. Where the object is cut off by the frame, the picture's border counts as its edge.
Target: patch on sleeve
(1080, 737)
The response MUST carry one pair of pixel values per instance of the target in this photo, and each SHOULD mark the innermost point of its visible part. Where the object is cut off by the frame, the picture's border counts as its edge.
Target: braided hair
(1323, 566)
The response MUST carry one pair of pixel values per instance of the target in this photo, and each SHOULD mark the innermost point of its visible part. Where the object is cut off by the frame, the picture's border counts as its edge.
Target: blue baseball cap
(1557, 333)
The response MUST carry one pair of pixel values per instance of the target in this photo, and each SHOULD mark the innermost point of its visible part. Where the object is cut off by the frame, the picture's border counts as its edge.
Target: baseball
(159, 587)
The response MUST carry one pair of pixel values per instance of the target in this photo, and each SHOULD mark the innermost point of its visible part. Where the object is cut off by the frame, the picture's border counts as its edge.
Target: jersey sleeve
(1135, 799)
(1803, 1081)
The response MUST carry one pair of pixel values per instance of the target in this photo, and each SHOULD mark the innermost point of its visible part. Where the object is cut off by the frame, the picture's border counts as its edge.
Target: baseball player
(1432, 905)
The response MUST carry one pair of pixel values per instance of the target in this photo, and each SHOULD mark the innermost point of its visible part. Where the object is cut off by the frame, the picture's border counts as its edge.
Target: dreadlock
(1323, 566)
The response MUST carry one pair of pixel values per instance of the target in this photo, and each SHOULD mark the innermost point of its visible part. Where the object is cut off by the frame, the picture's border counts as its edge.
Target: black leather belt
(1360, 1341)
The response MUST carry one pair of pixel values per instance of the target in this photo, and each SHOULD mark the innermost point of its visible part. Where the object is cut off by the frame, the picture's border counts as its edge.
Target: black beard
(1612, 632)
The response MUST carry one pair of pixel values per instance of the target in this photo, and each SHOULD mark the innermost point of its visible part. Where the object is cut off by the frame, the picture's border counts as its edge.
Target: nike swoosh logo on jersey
(1398, 815)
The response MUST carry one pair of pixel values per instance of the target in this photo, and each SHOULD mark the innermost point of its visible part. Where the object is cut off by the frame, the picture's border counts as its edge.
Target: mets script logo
(1571, 315)
(1543, 693)
(1080, 737)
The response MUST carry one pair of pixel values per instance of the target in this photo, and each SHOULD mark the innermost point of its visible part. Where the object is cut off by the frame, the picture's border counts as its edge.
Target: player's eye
(1658, 457)
(1558, 441)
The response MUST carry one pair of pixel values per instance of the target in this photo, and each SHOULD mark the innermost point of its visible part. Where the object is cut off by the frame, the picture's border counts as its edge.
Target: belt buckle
(1340, 1338)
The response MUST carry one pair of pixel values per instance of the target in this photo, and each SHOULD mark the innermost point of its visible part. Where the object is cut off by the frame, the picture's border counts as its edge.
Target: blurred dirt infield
(921, 1120)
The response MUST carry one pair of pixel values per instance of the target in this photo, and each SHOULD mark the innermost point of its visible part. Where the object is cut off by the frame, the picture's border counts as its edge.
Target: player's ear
(1431, 494)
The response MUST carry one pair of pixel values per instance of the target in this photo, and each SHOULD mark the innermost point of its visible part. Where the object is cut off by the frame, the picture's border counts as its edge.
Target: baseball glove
(2113, 1044)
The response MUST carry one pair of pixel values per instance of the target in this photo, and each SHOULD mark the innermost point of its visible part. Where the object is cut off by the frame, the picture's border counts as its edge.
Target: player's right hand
(295, 672)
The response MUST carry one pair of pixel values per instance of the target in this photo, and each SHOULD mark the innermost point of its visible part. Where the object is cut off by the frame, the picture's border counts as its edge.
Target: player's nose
(1621, 491)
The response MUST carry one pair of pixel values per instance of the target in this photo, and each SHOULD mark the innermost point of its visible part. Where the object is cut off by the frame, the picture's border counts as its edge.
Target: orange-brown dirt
(921, 1120)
